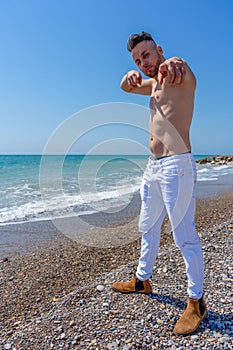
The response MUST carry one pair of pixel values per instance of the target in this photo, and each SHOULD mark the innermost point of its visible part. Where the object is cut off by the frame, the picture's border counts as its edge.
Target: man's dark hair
(134, 39)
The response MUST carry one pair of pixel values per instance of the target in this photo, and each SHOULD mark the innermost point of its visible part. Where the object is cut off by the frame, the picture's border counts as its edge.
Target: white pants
(167, 188)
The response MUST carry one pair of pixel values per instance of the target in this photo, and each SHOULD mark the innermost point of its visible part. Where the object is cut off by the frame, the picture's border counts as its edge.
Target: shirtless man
(168, 181)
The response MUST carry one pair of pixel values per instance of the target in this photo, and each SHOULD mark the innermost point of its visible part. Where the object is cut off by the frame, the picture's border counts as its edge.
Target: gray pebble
(112, 346)
(100, 288)
(7, 346)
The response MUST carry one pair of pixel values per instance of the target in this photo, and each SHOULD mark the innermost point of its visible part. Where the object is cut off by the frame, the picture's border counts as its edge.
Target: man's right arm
(133, 82)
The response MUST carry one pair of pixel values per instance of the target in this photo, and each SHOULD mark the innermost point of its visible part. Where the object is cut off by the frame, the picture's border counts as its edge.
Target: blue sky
(59, 57)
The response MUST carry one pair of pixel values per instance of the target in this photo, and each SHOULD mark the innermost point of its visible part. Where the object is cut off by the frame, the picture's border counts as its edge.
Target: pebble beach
(59, 296)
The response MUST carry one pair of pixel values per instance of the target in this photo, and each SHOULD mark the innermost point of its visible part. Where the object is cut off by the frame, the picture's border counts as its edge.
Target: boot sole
(128, 292)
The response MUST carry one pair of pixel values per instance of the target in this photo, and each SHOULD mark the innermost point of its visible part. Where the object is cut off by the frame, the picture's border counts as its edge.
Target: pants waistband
(171, 155)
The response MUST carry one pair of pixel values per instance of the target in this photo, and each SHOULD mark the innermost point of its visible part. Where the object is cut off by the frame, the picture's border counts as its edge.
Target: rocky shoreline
(226, 160)
(60, 297)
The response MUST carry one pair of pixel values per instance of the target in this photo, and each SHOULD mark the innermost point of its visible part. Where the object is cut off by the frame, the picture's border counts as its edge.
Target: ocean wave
(54, 205)
(207, 179)
(23, 200)
(212, 172)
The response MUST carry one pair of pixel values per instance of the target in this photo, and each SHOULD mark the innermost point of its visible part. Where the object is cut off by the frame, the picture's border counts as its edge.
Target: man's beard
(155, 71)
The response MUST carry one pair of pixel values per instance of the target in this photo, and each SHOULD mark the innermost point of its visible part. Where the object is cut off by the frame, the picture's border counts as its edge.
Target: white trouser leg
(151, 218)
(177, 188)
(149, 249)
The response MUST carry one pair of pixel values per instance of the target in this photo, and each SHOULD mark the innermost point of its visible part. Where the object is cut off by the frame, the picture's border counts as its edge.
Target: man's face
(148, 57)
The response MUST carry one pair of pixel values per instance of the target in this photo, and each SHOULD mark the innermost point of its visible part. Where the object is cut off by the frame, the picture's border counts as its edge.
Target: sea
(36, 188)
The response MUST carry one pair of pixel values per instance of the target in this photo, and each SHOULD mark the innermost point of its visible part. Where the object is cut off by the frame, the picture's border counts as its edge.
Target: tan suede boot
(133, 286)
(192, 317)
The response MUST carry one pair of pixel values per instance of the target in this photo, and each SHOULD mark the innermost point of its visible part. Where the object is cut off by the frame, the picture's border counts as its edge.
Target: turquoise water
(33, 187)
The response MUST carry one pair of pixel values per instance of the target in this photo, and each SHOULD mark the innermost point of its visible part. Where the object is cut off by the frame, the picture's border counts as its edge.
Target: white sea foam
(212, 172)
(65, 204)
